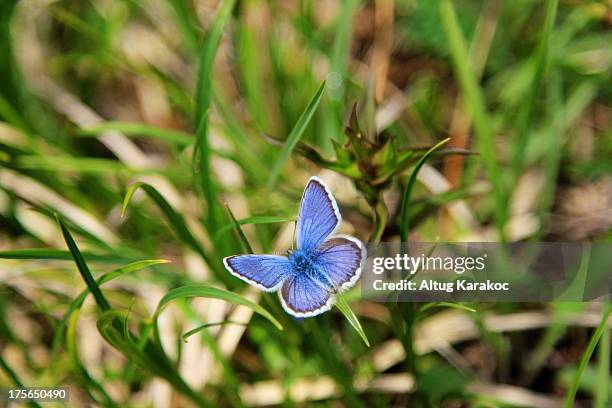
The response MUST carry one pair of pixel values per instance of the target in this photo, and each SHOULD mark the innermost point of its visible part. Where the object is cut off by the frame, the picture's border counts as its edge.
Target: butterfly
(321, 265)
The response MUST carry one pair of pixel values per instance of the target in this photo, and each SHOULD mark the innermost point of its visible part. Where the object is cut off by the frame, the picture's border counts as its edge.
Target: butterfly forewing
(267, 272)
(319, 216)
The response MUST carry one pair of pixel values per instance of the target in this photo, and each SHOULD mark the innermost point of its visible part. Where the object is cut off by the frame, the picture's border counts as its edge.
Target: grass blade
(54, 254)
(254, 220)
(83, 268)
(203, 101)
(586, 356)
(10, 115)
(318, 336)
(129, 268)
(139, 129)
(149, 355)
(206, 326)
(251, 75)
(80, 299)
(207, 58)
(16, 380)
(209, 341)
(542, 57)
(176, 220)
(187, 22)
(90, 383)
(202, 290)
(446, 304)
(243, 239)
(332, 109)
(408, 191)
(295, 134)
(475, 103)
(352, 319)
(603, 371)
(545, 346)
(84, 165)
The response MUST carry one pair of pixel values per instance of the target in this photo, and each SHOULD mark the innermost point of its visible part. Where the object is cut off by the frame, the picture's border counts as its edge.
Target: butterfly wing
(339, 261)
(319, 215)
(301, 296)
(266, 272)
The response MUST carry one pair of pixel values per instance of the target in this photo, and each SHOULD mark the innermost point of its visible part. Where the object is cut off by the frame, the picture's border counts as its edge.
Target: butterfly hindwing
(267, 272)
(339, 259)
(319, 215)
(301, 296)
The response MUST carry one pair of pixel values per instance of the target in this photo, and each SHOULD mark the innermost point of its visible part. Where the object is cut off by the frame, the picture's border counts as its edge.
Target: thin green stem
(15, 378)
(408, 191)
(586, 356)
(476, 104)
(403, 317)
(603, 371)
(542, 57)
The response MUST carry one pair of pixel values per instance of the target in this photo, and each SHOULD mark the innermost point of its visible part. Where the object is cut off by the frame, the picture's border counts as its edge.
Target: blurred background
(166, 134)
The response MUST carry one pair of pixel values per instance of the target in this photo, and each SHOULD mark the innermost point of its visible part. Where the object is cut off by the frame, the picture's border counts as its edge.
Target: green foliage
(343, 306)
(203, 100)
(477, 106)
(218, 112)
(586, 356)
(408, 191)
(83, 268)
(138, 129)
(213, 293)
(176, 220)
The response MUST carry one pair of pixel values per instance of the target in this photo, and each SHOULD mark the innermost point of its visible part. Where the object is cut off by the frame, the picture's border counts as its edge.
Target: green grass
(220, 114)
(602, 393)
(294, 135)
(483, 126)
(203, 98)
(83, 268)
(405, 220)
(140, 130)
(601, 328)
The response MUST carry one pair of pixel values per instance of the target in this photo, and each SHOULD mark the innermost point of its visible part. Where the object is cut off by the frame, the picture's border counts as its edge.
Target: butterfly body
(306, 263)
(302, 261)
(320, 266)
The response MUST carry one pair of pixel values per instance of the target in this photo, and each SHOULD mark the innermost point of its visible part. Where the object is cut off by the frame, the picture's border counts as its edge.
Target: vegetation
(141, 142)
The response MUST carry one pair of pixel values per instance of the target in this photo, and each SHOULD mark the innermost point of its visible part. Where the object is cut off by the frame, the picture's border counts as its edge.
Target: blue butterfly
(322, 265)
